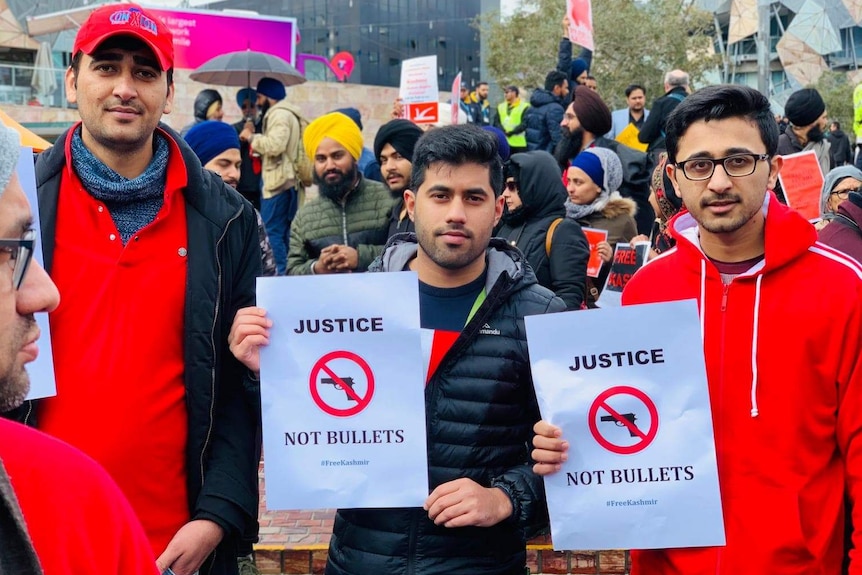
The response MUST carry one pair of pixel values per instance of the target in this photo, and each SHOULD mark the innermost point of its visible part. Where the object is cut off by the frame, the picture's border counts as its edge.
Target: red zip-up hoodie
(782, 345)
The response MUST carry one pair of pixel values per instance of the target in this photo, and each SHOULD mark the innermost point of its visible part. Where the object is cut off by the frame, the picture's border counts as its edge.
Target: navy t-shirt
(447, 308)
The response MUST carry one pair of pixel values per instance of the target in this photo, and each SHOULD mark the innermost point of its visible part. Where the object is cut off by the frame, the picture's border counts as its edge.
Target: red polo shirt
(118, 347)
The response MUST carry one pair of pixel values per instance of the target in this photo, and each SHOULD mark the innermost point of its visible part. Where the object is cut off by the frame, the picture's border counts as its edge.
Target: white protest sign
(42, 380)
(419, 90)
(455, 104)
(634, 406)
(342, 391)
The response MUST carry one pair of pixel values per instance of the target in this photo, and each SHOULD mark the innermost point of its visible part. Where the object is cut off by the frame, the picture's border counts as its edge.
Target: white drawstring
(702, 300)
(754, 411)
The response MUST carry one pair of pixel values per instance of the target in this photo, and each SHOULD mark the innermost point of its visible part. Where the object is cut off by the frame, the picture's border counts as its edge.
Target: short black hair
(632, 87)
(554, 79)
(837, 124)
(718, 103)
(457, 145)
(482, 83)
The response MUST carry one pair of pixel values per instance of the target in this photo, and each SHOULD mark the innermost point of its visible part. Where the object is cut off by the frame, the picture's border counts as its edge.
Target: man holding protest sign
(479, 403)
(746, 258)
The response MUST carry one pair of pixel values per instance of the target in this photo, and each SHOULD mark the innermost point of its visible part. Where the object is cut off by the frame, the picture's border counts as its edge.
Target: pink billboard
(200, 36)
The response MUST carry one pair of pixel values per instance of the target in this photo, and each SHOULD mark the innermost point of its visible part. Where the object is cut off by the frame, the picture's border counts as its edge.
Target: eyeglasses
(735, 166)
(844, 194)
(20, 254)
(512, 186)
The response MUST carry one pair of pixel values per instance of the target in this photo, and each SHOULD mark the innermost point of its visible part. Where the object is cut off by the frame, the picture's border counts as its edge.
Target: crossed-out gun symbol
(348, 381)
(628, 416)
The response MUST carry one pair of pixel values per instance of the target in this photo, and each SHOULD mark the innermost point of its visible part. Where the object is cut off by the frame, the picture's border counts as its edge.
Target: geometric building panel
(743, 20)
(813, 26)
(800, 60)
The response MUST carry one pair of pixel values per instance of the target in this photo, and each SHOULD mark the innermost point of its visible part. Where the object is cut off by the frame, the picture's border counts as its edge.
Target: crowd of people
(146, 459)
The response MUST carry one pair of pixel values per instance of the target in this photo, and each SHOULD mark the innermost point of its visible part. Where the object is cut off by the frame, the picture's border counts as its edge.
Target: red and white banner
(580, 14)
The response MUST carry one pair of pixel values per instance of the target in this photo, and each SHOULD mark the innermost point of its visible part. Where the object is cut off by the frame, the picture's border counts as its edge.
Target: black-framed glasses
(735, 166)
(20, 255)
(844, 194)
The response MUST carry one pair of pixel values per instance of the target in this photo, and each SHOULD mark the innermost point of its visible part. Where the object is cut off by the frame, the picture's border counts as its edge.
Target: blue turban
(271, 88)
(246, 94)
(211, 138)
(579, 66)
(591, 164)
(502, 143)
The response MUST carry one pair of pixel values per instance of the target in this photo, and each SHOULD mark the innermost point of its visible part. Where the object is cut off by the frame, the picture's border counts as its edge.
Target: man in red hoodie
(785, 402)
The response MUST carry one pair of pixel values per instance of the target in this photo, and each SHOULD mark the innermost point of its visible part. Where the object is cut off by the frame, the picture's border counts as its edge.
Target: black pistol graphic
(348, 381)
(629, 416)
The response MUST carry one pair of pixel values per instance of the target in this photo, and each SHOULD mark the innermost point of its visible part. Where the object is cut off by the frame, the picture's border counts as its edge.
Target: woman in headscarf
(592, 181)
(836, 188)
(208, 106)
(666, 204)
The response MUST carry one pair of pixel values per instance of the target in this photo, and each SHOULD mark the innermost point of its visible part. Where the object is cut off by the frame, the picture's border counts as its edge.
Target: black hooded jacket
(203, 101)
(543, 196)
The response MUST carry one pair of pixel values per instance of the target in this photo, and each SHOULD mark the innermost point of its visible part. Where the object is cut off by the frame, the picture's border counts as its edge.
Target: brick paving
(295, 543)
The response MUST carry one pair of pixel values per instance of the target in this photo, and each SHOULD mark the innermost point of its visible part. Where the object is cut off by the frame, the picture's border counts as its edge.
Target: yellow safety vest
(512, 121)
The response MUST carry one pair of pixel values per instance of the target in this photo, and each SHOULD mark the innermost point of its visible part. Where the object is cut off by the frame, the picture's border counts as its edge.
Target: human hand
(190, 547)
(324, 263)
(550, 451)
(247, 132)
(465, 503)
(249, 331)
(397, 109)
(639, 238)
(344, 259)
(566, 23)
(605, 251)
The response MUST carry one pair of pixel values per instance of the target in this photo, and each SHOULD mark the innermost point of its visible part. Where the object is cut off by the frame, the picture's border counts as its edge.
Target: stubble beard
(15, 383)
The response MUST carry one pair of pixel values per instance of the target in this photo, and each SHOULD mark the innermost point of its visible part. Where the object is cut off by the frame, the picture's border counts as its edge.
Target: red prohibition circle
(321, 365)
(599, 403)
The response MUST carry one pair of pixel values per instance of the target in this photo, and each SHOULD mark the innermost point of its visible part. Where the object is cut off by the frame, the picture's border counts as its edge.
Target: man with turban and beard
(393, 147)
(806, 112)
(344, 228)
(586, 118)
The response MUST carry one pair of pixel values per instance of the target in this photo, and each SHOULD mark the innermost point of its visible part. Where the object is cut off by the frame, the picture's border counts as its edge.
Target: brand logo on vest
(488, 330)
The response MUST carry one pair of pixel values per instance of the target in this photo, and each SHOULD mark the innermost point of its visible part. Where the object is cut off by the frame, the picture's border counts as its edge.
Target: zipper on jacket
(726, 287)
(344, 222)
(216, 311)
(411, 544)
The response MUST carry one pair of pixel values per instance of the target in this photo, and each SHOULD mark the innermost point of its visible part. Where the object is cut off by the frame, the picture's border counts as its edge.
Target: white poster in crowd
(634, 406)
(419, 90)
(342, 391)
(42, 380)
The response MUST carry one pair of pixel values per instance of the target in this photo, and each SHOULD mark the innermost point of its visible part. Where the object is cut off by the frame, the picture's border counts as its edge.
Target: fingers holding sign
(550, 449)
(250, 330)
(465, 503)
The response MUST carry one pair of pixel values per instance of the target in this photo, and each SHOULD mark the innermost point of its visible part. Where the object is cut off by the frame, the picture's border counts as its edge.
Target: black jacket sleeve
(570, 253)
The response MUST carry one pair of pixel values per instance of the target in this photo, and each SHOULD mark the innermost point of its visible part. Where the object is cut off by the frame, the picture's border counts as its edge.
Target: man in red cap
(152, 256)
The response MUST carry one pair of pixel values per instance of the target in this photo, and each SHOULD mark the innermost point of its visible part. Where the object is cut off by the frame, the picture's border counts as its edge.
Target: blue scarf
(133, 204)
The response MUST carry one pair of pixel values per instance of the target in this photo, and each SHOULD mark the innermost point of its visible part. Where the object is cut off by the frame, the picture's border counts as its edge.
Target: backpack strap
(550, 235)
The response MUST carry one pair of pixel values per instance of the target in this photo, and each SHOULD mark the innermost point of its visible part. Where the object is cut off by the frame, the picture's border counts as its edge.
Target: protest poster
(634, 405)
(580, 14)
(629, 137)
(342, 392)
(456, 99)
(627, 260)
(419, 91)
(43, 383)
(594, 238)
(802, 181)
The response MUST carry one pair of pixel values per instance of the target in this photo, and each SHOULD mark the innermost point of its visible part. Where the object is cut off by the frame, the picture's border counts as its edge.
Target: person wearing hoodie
(593, 181)
(837, 186)
(546, 112)
(785, 403)
(844, 232)
(535, 216)
(208, 106)
(840, 151)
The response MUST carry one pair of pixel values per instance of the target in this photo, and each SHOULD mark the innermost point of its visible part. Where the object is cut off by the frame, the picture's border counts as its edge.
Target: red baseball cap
(126, 20)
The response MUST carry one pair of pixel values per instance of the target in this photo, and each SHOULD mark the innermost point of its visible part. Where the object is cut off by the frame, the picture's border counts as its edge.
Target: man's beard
(569, 146)
(15, 383)
(264, 108)
(337, 190)
(815, 134)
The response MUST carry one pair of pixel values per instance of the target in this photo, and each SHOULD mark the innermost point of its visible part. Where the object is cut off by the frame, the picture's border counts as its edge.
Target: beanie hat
(335, 126)
(804, 107)
(832, 179)
(579, 66)
(353, 114)
(611, 176)
(400, 134)
(592, 112)
(271, 88)
(246, 94)
(502, 143)
(10, 149)
(211, 138)
(591, 165)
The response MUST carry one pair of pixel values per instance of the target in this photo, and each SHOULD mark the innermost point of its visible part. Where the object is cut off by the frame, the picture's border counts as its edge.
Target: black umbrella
(246, 68)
